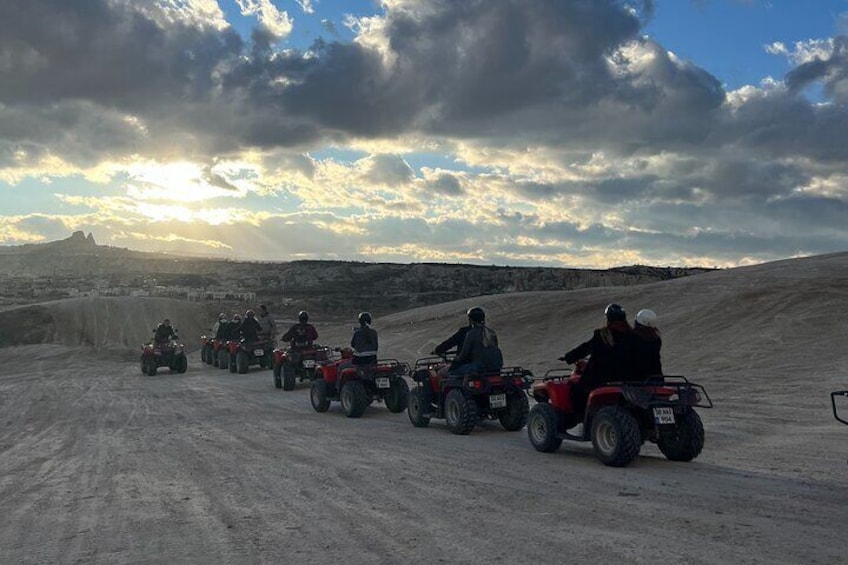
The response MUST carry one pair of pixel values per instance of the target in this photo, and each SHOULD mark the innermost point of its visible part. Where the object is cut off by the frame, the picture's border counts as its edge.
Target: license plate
(382, 382)
(309, 363)
(663, 416)
(258, 352)
(497, 401)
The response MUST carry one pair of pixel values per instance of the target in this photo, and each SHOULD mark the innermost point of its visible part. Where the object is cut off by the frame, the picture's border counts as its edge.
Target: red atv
(833, 397)
(242, 354)
(465, 400)
(170, 354)
(207, 350)
(293, 364)
(358, 386)
(620, 417)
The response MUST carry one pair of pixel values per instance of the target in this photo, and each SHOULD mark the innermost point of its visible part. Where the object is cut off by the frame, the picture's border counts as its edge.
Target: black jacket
(480, 347)
(364, 341)
(611, 350)
(454, 341)
(250, 329)
(164, 333)
(647, 344)
(301, 335)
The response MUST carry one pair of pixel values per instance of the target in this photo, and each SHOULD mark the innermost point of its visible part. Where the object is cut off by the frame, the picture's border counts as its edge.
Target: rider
(609, 351)
(480, 351)
(221, 321)
(453, 342)
(164, 332)
(250, 328)
(647, 362)
(364, 341)
(233, 330)
(269, 326)
(302, 334)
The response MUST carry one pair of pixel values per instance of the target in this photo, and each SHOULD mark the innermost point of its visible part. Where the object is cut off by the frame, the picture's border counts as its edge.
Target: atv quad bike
(242, 354)
(170, 354)
(463, 401)
(223, 354)
(358, 386)
(620, 417)
(843, 417)
(207, 350)
(298, 364)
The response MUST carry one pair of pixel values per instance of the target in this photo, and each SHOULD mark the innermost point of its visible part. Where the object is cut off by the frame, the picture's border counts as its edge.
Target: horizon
(549, 134)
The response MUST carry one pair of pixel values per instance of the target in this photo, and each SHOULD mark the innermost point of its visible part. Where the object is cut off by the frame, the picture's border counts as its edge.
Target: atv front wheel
(151, 367)
(686, 441)
(515, 415)
(615, 436)
(460, 413)
(143, 365)
(416, 409)
(210, 355)
(242, 362)
(398, 396)
(318, 396)
(181, 364)
(223, 359)
(278, 379)
(354, 399)
(289, 377)
(203, 356)
(542, 428)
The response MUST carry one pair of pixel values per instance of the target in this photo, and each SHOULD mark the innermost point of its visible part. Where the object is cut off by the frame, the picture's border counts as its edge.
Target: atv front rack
(833, 397)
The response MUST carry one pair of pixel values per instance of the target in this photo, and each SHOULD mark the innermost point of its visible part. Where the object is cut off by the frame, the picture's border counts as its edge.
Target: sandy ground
(99, 464)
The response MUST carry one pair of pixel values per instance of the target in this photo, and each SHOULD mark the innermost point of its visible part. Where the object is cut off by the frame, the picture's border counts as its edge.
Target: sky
(575, 133)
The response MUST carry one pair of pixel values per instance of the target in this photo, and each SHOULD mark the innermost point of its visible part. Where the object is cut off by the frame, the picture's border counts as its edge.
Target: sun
(180, 181)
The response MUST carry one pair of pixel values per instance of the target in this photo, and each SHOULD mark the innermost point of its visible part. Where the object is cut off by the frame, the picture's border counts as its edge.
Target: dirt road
(99, 464)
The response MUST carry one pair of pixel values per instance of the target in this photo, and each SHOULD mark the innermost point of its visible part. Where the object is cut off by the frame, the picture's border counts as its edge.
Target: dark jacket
(223, 330)
(453, 342)
(646, 352)
(233, 330)
(611, 350)
(364, 342)
(164, 333)
(301, 335)
(480, 347)
(250, 329)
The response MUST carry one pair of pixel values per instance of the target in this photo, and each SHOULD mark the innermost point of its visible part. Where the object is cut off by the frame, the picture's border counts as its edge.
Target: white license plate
(497, 401)
(309, 363)
(382, 382)
(663, 416)
(258, 352)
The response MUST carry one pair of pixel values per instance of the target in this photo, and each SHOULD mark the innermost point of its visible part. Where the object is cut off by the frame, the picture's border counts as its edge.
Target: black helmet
(615, 313)
(476, 315)
(365, 318)
(302, 316)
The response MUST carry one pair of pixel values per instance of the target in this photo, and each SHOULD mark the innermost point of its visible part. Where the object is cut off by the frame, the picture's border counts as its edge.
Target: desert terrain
(99, 464)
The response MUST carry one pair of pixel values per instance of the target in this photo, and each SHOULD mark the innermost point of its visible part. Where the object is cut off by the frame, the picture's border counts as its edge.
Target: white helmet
(646, 318)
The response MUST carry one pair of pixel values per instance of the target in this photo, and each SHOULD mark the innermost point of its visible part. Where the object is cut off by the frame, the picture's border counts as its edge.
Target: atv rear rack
(426, 362)
(833, 396)
(398, 367)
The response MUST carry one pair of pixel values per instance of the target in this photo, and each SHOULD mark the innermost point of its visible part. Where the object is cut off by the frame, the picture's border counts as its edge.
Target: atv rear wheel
(181, 364)
(242, 362)
(460, 413)
(686, 441)
(354, 399)
(515, 415)
(278, 379)
(289, 377)
(416, 407)
(615, 436)
(542, 428)
(318, 396)
(398, 396)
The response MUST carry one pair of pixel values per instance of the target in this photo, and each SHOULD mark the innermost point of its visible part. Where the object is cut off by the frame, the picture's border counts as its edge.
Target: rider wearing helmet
(266, 321)
(480, 351)
(453, 342)
(609, 351)
(302, 334)
(250, 328)
(364, 341)
(647, 362)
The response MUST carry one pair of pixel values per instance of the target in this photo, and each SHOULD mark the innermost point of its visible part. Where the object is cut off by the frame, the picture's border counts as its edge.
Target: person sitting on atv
(647, 363)
(480, 352)
(269, 327)
(164, 332)
(302, 334)
(610, 353)
(250, 328)
(453, 342)
(364, 341)
(219, 323)
(233, 330)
